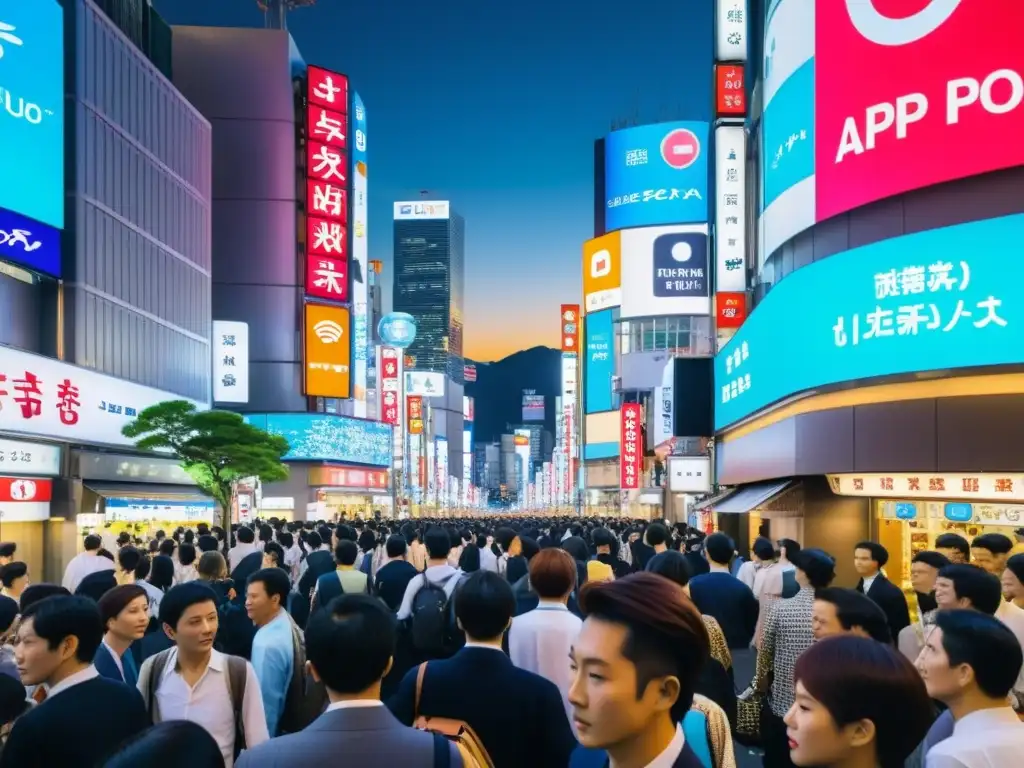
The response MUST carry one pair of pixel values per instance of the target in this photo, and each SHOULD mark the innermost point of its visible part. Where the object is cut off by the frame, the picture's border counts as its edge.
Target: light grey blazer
(366, 736)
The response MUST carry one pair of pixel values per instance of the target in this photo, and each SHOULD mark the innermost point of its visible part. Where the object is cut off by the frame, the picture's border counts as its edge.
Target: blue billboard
(32, 104)
(599, 363)
(932, 301)
(323, 437)
(656, 174)
(29, 243)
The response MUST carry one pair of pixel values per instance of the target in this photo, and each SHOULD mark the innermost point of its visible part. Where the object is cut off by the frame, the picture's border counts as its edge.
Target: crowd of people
(509, 642)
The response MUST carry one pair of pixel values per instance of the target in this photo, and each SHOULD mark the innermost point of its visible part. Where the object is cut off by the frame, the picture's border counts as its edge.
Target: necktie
(39, 696)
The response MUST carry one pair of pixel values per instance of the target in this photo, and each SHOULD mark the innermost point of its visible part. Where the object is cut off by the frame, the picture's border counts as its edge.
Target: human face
(36, 662)
(988, 561)
(260, 606)
(952, 554)
(943, 682)
(864, 562)
(1012, 587)
(825, 620)
(269, 561)
(603, 694)
(814, 738)
(132, 622)
(945, 594)
(922, 577)
(196, 629)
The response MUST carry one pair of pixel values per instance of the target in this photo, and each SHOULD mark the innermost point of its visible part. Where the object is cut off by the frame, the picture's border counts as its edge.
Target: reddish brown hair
(552, 573)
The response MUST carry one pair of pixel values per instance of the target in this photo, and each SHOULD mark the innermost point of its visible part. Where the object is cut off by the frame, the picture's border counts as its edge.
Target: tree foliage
(217, 448)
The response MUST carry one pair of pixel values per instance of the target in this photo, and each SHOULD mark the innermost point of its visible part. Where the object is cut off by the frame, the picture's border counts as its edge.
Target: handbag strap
(420, 674)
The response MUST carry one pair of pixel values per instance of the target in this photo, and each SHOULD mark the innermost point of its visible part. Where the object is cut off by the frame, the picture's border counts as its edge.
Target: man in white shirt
(970, 662)
(245, 545)
(86, 563)
(192, 681)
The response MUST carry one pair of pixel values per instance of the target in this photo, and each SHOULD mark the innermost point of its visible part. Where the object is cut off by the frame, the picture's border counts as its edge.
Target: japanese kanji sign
(631, 450)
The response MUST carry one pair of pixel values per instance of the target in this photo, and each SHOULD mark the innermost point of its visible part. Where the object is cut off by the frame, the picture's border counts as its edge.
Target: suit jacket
(106, 665)
(317, 564)
(519, 716)
(891, 600)
(364, 735)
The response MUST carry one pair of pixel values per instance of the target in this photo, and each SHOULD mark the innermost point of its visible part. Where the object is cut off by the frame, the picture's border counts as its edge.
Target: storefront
(350, 491)
(27, 472)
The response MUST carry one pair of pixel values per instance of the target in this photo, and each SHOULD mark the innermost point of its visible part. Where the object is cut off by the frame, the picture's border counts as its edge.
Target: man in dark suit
(869, 557)
(349, 646)
(518, 716)
(318, 562)
(721, 595)
(394, 576)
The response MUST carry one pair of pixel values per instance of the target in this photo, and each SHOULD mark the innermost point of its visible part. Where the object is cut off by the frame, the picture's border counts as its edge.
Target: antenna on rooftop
(275, 12)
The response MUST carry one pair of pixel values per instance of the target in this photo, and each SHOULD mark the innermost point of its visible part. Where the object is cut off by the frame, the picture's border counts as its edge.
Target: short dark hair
(245, 535)
(172, 742)
(207, 542)
(117, 599)
(953, 541)
(996, 543)
(666, 635)
(275, 581)
(672, 565)
(179, 599)
(552, 573)
(275, 549)
(13, 571)
(187, 553)
(719, 548)
(346, 552)
(657, 534)
(986, 645)
(972, 583)
(351, 642)
(8, 548)
(35, 592)
(57, 618)
(854, 609)
(484, 605)
(1015, 564)
(602, 537)
(13, 701)
(936, 560)
(128, 558)
(167, 547)
(92, 542)
(396, 546)
(343, 532)
(855, 678)
(879, 554)
(764, 548)
(818, 565)
(8, 612)
(438, 543)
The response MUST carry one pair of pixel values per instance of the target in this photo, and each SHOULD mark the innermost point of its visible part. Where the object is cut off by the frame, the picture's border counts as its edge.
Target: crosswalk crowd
(511, 642)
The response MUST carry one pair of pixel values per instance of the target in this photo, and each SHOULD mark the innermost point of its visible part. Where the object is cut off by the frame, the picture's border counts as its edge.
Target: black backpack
(432, 623)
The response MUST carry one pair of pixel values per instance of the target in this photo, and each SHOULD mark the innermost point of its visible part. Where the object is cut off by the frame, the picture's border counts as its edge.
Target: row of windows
(115, 173)
(683, 335)
(118, 261)
(118, 80)
(121, 343)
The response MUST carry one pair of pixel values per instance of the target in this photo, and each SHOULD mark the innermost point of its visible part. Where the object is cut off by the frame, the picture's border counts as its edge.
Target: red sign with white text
(730, 90)
(630, 447)
(327, 164)
(730, 309)
(326, 200)
(390, 385)
(570, 319)
(414, 414)
(327, 127)
(327, 89)
(327, 277)
(13, 489)
(936, 94)
(326, 238)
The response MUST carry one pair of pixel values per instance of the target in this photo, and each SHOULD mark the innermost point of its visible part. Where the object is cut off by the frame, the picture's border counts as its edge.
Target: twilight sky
(496, 106)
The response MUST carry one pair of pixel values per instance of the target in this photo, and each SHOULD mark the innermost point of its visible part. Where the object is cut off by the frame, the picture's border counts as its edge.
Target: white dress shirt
(488, 560)
(83, 564)
(82, 676)
(1013, 617)
(539, 642)
(671, 753)
(868, 581)
(208, 703)
(238, 552)
(982, 739)
(354, 704)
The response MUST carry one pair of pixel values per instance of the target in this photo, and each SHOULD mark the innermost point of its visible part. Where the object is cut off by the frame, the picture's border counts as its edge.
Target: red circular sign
(680, 148)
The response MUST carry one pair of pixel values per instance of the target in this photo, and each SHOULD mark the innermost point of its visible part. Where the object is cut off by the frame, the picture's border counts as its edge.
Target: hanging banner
(631, 455)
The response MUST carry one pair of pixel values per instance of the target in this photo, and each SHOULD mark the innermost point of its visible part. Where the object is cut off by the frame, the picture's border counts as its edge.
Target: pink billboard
(910, 93)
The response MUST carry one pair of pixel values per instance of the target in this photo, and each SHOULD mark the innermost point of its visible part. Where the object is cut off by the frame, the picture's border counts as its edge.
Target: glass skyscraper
(429, 282)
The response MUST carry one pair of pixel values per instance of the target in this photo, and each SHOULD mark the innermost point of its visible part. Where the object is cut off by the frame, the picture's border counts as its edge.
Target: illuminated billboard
(423, 209)
(665, 271)
(599, 361)
(933, 301)
(325, 437)
(361, 337)
(602, 272)
(656, 174)
(837, 137)
(327, 351)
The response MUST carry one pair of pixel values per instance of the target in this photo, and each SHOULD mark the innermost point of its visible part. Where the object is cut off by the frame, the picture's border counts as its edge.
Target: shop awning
(750, 497)
(718, 497)
(165, 491)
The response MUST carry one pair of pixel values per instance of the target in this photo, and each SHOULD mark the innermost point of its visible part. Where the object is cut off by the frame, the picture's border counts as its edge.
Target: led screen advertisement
(656, 174)
(360, 258)
(324, 437)
(836, 137)
(32, 96)
(665, 271)
(602, 273)
(932, 301)
(599, 361)
(29, 243)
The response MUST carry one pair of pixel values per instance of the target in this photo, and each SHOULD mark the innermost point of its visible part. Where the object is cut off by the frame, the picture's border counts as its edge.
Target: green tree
(217, 448)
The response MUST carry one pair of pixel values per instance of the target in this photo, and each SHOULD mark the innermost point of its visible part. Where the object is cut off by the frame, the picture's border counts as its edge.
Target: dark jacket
(317, 564)
(391, 581)
(620, 568)
(106, 665)
(891, 600)
(729, 601)
(519, 716)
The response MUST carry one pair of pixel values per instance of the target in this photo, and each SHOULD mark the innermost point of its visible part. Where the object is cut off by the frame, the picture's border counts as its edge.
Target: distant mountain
(498, 390)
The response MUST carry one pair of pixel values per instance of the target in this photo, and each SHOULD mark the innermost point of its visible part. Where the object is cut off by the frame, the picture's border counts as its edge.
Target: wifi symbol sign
(328, 331)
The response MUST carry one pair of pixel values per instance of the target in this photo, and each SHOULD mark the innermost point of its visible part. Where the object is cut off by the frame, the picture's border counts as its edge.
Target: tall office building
(429, 282)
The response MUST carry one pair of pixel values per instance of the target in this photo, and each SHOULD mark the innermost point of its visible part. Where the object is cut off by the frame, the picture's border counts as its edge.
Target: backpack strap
(238, 674)
(150, 675)
(442, 752)
(421, 673)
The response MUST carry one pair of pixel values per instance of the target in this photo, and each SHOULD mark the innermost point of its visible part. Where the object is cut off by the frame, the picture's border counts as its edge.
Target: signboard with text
(570, 319)
(390, 384)
(631, 446)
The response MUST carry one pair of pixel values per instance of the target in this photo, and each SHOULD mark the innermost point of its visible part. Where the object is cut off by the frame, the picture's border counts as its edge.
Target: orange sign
(730, 90)
(571, 328)
(328, 351)
(414, 414)
(602, 272)
(347, 477)
(730, 309)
